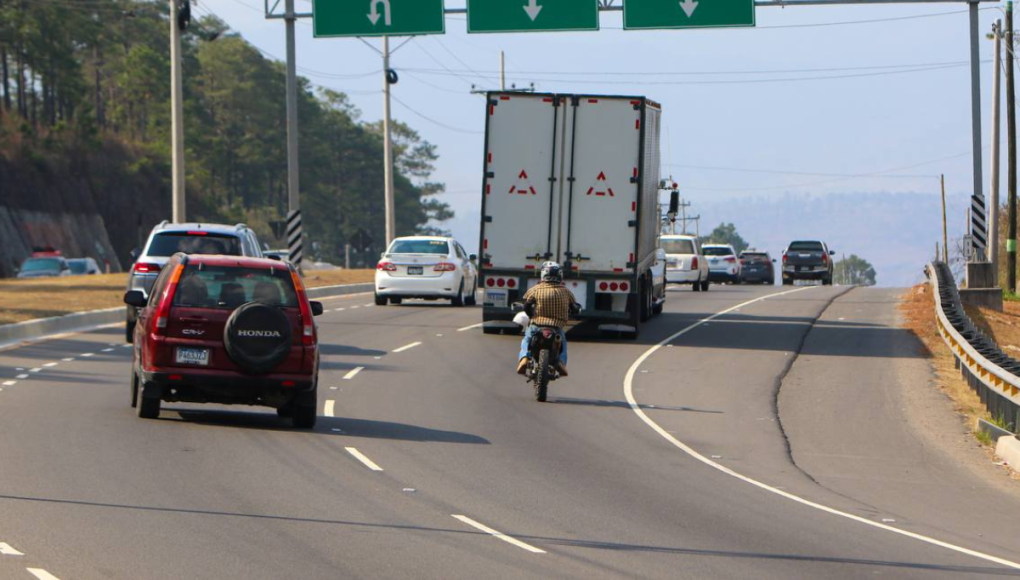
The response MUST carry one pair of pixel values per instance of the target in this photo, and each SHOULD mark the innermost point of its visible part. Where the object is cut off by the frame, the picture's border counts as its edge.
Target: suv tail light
(163, 309)
(445, 267)
(308, 337)
(731, 260)
(386, 266)
(145, 268)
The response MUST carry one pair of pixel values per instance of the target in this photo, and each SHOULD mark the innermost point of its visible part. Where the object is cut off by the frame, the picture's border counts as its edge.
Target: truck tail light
(784, 258)
(694, 263)
(146, 268)
(445, 267)
(385, 266)
(612, 286)
(501, 282)
(825, 258)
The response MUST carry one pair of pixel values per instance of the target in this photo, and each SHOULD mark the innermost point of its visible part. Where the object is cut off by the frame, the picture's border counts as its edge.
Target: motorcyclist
(548, 303)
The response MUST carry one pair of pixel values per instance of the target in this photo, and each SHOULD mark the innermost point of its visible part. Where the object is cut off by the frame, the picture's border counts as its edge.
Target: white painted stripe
(499, 535)
(21, 377)
(353, 307)
(68, 359)
(479, 325)
(339, 309)
(326, 311)
(353, 373)
(368, 305)
(328, 411)
(361, 457)
(407, 347)
(50, 364)
(87, 354)
(35, 370)
(107, 350)
(7, 550)
(41, 574)
(628, 389)
(10, 383)
(126, 345)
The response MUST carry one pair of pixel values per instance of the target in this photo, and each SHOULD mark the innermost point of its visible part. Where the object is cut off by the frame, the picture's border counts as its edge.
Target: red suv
(228, 330)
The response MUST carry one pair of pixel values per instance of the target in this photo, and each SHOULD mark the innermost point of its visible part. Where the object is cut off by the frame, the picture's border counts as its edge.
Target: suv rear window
(806, 247)
(678, 246)
(755, 258)
(167, 244)
(204, 286)
(419, 247)
(716, 251)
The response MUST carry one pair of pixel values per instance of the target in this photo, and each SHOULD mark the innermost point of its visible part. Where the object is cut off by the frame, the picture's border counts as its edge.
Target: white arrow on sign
(533, 9)
(374, 14)
(689, 7)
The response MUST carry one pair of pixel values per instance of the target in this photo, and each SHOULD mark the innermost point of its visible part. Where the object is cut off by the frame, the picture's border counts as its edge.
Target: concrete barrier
(31, 330)
(1008, 450)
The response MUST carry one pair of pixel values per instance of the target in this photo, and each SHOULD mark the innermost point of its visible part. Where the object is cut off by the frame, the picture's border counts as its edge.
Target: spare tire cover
(257, 337)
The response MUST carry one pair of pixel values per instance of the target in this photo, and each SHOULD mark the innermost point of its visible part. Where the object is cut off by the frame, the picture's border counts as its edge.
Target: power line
(433, 121)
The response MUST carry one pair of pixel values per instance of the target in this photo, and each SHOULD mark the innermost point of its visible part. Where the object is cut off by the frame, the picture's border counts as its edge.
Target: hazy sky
(813, 100)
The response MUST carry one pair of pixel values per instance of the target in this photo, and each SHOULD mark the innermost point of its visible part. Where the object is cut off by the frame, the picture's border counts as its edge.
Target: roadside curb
(35, 330)
(1008, 449)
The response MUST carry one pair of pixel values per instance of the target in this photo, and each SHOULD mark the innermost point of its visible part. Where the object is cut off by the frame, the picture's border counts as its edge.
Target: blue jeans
(527, 341)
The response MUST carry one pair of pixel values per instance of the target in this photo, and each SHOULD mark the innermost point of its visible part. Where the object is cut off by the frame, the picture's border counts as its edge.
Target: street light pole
(978, 225)
(1011, 156)
(177, 115)
(295, 231)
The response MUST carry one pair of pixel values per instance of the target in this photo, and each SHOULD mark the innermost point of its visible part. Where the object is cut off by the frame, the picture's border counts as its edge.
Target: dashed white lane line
(367, 305)
(126, 345)
(41, 574)
(328, 410)
(22, 377)
(469, 327)
(361, 457)
(50, 365)
(107, 350)
(499, 535)
(628, 390)
(339, 309)
(68, 359)
(10, 383)
(7, 550)
(353, 373)
(35, 370)
(88, 354)
(353, 307)
(407, 347)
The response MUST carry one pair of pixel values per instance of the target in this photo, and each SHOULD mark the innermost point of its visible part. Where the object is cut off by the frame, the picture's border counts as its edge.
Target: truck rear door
(520, 165)
(601, 221)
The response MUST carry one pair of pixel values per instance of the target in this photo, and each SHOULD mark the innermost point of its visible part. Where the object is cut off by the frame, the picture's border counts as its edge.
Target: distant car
(83, 266)
(277, 254)
(227, 330)
(684, 262)
(426, 267)
(723, 265)
(757, 268)
(50, 267)
(167, 239)
(807, 260)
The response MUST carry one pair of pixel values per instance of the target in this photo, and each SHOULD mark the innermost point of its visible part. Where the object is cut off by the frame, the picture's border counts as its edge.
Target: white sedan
(426, 267)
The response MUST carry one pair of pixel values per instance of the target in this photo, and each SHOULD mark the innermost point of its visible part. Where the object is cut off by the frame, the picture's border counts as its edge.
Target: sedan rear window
(204, 286)
(709, 251)
(678, 246)
(806, 247)
(419, 247)
(40, 265)
(168, 244)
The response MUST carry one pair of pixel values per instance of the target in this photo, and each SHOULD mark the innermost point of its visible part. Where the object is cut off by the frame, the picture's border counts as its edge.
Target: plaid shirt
(552, 304)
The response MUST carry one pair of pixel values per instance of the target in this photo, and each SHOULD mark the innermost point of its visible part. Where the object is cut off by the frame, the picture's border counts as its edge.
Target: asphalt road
(749, 432)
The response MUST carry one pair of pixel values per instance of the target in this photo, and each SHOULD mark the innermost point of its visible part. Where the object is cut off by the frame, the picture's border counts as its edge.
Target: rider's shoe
(522, 366)
(562, 368)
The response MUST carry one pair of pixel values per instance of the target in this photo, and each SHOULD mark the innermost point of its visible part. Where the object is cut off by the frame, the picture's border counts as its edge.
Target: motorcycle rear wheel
(542, 376)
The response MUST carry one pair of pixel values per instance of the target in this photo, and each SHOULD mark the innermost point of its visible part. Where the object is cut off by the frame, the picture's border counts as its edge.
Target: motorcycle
(543, 353)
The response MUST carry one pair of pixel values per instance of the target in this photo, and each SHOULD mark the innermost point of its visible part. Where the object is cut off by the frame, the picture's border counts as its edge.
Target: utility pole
(502, 71)
(1011, 160)
(177, 115)
(978, 227)
(295, 233)
(993, 213)
(945, 227)
(391, 222)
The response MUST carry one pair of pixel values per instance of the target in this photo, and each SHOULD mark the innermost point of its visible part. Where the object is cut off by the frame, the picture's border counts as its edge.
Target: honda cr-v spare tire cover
(257, 337)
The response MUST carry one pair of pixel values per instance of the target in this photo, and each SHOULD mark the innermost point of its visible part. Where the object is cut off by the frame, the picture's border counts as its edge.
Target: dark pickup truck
(807, 260)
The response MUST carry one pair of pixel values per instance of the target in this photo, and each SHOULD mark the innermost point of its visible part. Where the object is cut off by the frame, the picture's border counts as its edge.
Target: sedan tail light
(146, 268)
(445, 267)
(386, 266)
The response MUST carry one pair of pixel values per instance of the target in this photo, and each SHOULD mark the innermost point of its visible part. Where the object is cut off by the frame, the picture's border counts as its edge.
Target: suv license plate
(193, 356)
(415, 270)
(496, 298)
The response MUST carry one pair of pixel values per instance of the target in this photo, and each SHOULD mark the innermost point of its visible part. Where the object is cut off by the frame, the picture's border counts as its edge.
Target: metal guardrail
(994, 375)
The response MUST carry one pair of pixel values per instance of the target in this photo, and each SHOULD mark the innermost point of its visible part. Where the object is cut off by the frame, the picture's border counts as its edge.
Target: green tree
(726, 233)
(854, 270)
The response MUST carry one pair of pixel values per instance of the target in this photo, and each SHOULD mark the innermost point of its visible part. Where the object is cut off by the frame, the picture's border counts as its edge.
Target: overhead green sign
(377, 17)
(532, 15)
(643, 14)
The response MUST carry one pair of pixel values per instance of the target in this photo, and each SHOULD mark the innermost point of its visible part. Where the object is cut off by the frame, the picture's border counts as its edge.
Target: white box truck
(572, 179)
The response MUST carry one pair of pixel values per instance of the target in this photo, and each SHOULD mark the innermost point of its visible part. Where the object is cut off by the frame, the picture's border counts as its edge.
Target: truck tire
(704, 285)
(696, 286)
(645, 300)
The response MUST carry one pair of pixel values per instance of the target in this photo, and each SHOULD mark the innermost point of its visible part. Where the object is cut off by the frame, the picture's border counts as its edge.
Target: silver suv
(167, 239)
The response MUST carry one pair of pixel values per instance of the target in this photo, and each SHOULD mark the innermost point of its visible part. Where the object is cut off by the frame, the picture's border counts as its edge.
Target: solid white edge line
(8, 550)
(328, 409)
(353, 373)
(628, 389)
(10, 383)
(22, 377)
(407, 347)
(362, 458)
(41, 574)
(88, 354)
(470, 327)
(499, 535)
